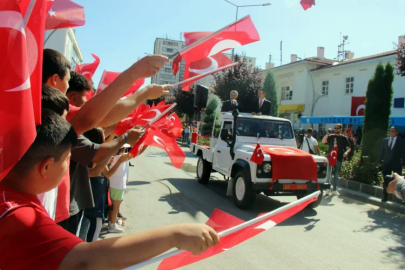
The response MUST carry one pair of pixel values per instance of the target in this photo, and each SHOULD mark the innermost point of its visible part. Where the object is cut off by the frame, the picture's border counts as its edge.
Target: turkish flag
(285, 158)
(88, 70)
(64, 14)
(35, 39)
(129, 122)
(306, 4)
(151, 114)
(221, 221)
(17, 120)
(208, 64)
(358, 106)
(239, 33)
(162, 141)
(108, 77)
(139, 145)
(257, 155)
(170, 126)
(333, 156)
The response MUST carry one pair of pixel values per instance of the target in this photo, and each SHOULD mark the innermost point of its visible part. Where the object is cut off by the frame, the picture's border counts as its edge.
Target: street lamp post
(237, 9)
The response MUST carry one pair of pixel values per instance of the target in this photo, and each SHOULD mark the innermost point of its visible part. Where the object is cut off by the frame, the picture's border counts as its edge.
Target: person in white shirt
(118, 180)
(310, 144)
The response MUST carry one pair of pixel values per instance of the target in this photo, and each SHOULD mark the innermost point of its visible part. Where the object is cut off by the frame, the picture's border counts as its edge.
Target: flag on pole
(21, 30)
(88, 70)
(239, 33)
(207, 65)
(236, 231)
(108, 77)
(64, 14)
(257, 155)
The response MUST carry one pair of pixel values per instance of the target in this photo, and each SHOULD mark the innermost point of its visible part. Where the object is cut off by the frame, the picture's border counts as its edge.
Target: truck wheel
(243, 195)
(203, 170)
(314, 204)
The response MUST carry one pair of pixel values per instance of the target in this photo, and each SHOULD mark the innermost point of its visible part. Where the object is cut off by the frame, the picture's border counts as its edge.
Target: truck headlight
(267, 168)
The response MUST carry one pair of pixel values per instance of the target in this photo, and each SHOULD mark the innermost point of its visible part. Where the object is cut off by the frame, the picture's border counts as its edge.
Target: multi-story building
(319, 87)
(168, 47)
(64, 41)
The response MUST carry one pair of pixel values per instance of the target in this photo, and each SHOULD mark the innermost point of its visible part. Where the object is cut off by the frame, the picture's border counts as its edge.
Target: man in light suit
(261, 106)
(392, 157)
(232, 103)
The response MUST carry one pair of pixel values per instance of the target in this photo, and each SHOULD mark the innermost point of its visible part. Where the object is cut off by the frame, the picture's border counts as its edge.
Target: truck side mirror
(224, 134)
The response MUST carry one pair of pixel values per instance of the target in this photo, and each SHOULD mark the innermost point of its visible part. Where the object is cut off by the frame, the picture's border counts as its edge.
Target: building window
(168, 70)
(349, 85)
(286, 93)
(250, 60)
(165, 42)
(175, 43)
(164, 49)
(168, 64)
(169, 50)
(399, 102)
(325, 88)
(170, 43)
(173, 77)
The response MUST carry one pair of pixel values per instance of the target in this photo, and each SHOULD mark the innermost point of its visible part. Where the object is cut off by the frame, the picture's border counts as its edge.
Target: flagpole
(233, 229)
(29, 11)
(205, 74)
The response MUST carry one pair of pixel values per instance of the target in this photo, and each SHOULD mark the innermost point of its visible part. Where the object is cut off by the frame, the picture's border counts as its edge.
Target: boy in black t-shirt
(343, 145)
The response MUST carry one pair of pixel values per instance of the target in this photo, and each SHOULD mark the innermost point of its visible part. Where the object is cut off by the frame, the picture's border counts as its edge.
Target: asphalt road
(340, 234)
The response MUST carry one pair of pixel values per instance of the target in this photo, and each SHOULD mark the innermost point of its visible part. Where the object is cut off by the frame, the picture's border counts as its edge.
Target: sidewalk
(352, 189)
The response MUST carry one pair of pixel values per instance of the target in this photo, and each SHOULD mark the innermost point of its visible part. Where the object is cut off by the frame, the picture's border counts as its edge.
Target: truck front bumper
(277, 187)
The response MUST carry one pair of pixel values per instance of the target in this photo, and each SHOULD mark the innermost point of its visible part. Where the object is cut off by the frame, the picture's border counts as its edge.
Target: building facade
(168, 47)
(64, 41)
(317, 86)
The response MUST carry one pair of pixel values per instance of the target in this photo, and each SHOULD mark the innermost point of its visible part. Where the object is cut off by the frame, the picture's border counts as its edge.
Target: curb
(393, 206)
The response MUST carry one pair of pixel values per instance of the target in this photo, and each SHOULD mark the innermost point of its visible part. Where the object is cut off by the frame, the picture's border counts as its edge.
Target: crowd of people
(55, 199)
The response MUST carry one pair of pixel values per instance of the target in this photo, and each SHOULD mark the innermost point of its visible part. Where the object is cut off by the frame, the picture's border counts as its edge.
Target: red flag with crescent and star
(306, 4)
(108, 77)
(333, 156)
(64, 14)
(21, 30)
(156, 138)
(358, 106)
(208, 64)
(221, 221)
(257, 155)
(237, 34)
(88, 70)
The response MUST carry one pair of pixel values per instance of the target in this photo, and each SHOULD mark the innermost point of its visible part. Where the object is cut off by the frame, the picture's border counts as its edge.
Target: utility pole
(281, 53)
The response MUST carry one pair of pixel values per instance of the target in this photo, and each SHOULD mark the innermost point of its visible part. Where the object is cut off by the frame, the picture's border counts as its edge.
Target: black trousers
(71, 224)
(388, 171)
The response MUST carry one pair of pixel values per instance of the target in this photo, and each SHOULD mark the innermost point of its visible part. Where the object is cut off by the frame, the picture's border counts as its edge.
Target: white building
(64, 41)
(168, 47)
(317, 86)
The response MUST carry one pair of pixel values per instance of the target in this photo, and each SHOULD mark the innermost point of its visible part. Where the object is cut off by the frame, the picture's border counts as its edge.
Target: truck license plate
(291, 187)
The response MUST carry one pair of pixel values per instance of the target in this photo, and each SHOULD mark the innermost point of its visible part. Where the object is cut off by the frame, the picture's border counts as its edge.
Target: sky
(120, 31)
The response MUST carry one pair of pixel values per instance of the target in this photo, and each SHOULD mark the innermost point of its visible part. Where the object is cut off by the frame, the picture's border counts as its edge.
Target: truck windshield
(266, 128)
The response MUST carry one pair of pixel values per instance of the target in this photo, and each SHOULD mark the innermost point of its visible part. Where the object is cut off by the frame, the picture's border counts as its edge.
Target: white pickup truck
(230, 151)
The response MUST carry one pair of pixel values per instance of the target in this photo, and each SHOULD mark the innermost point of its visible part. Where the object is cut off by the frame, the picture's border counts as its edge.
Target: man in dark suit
(392, 157)
(261, 106)
(232, 103)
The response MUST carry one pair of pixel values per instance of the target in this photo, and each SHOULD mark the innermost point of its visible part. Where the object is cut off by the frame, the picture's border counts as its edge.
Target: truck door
(222, 158)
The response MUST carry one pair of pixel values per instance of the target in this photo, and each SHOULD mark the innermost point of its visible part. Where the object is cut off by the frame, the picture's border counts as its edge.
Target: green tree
(378, 109)
(243, 78)
(210, 117)
(185, 102)
(270, 88)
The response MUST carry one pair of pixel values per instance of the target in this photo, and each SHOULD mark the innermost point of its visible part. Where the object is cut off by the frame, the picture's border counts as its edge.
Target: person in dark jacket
(232, 103)
(261, 105)
(392, 157)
